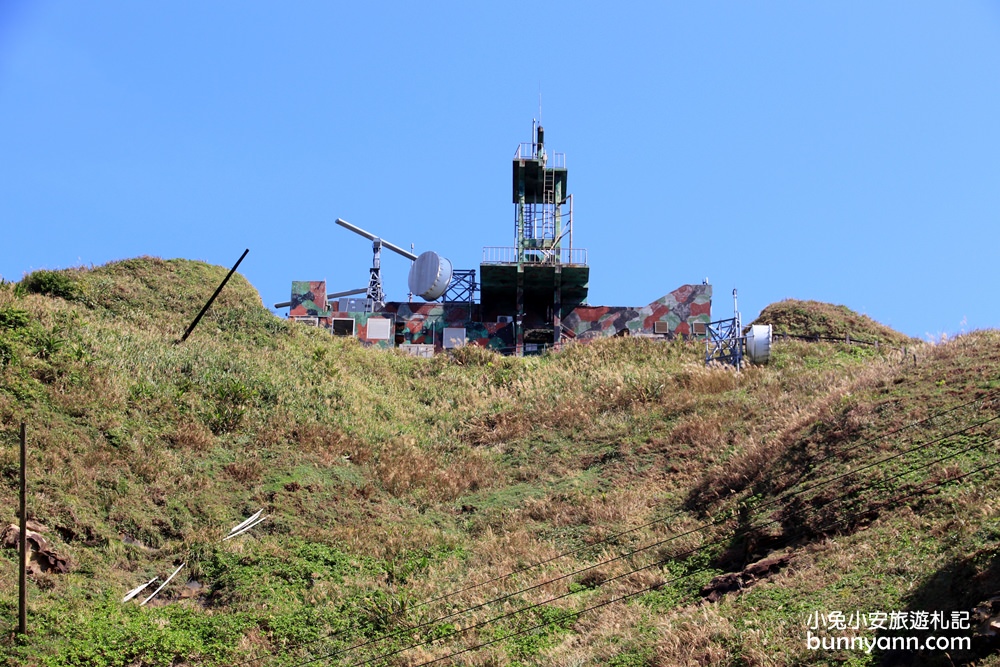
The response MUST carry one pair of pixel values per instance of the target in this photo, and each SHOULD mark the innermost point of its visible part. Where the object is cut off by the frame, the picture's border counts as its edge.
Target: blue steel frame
(724, 342)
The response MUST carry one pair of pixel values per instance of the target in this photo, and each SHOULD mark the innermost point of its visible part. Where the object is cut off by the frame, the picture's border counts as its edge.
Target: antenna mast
(375, 299)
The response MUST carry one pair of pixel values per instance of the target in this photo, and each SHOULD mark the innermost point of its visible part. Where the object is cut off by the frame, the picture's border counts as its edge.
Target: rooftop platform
(539, 255)
(498, 289)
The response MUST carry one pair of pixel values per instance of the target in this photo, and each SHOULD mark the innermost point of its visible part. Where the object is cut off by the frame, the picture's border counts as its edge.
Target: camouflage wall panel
(308, 299)
(423, 323)
(679, 309)
(361, 329)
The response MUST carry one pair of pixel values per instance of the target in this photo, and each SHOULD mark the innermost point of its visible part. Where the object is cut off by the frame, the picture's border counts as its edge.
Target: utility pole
(22, 581)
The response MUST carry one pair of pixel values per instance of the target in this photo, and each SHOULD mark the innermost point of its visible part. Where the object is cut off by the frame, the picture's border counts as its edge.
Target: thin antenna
(539, 102)
(409, 296)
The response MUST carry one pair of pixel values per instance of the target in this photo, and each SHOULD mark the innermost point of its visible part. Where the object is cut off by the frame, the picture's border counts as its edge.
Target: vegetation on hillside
(623, 468)
(825, 320)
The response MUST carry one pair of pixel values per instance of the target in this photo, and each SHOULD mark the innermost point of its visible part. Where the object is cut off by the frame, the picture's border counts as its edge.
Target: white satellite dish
(759, 343)
(430, 275)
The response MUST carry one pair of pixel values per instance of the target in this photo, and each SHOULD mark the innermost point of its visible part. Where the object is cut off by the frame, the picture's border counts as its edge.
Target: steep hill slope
(393, 486)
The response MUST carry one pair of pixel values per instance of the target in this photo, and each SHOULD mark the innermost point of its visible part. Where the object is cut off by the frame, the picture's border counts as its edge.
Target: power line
(620, 576)
(648, 588)
(689, 552)
(981, 399)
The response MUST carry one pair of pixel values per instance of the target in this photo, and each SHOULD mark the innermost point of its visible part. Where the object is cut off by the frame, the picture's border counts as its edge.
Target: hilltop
(725, 508)
(814, 318)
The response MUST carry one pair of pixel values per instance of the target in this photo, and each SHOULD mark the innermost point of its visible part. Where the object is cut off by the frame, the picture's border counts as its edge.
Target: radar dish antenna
(430, 274)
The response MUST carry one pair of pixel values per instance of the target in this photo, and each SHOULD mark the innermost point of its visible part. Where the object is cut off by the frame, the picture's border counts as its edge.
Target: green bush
(12, 319)
(628, 659)
(52, 283)
(6, 353)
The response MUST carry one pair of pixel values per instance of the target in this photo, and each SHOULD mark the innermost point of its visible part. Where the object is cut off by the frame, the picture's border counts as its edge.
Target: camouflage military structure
(533, 295)
(683, 312)
(423, 324)
(677, 314)
(308, 299)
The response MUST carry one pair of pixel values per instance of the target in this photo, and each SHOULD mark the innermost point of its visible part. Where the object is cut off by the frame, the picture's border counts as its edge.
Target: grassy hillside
(394, 485)
(813, 318)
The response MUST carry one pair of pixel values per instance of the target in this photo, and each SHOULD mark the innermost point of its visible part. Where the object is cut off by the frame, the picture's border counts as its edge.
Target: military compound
(533, 295)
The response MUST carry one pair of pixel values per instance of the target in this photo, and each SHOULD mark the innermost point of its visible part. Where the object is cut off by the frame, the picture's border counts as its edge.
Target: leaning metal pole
(217, 291)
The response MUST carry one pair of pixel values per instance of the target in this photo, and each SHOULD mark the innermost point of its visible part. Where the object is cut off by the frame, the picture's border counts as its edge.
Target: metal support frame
(557, 310)
(519, 317)
(374, 295)
(539, 229)
(463, 287)
(724, 340)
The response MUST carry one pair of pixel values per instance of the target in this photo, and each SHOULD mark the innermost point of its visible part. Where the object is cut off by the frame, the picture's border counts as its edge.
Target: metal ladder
(548, 204)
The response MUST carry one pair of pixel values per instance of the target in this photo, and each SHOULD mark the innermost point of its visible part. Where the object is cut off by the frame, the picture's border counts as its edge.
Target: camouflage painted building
(533, 294)
(683, 312)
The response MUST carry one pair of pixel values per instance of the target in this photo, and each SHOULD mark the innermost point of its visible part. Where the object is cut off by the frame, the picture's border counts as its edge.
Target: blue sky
(841, 151)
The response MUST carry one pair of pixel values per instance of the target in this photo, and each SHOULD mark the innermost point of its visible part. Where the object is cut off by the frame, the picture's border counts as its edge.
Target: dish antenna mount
(726, 341)
(430, 274)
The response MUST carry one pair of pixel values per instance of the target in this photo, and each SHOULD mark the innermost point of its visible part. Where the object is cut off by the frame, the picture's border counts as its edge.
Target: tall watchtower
(542, 277)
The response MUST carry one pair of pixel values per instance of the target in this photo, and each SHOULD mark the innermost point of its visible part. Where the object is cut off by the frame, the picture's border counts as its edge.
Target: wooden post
(22, 579)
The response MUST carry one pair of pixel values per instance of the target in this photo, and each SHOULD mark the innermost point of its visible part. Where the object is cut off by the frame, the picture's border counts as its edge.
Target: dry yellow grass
(390, 481)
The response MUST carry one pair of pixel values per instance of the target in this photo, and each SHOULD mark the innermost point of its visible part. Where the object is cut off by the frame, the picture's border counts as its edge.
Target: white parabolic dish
(430, 275)
(759, 343)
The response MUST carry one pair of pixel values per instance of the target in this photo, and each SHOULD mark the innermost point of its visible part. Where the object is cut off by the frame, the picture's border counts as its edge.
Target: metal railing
(508, 255)
(499, 255)
(525, 151)
(529, 151)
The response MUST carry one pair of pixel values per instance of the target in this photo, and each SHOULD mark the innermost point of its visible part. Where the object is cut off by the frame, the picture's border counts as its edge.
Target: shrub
(52, 283)
(6, 353)
(13, 318)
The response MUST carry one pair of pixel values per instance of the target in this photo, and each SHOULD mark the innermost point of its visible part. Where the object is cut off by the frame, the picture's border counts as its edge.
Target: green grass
(814, 318)
(391, 481)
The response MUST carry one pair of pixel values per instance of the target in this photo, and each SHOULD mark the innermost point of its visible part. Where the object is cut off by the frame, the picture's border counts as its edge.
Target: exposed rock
(41, 556)
(37, 527)
(750, 575)
(987, 615)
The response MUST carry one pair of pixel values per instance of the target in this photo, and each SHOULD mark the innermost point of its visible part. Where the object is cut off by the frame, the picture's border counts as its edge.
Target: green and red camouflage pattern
(309, 299)
(680, 310)
(424, 323)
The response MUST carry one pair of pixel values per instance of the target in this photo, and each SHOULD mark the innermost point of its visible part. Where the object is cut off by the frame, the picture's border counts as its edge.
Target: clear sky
(841, 151)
